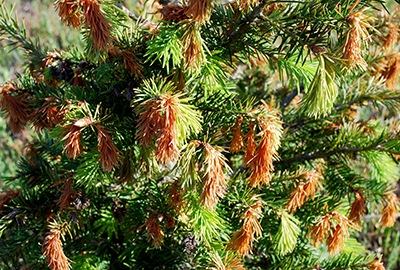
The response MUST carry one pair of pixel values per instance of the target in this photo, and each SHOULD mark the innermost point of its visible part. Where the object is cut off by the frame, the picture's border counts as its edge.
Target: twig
(310, 156)
(134, 16)
(289, 98)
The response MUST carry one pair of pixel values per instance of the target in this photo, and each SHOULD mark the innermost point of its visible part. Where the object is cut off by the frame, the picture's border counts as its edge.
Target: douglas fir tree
(245, 134)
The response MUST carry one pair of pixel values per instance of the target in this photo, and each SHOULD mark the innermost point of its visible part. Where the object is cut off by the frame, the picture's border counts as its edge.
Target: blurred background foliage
(43, 26)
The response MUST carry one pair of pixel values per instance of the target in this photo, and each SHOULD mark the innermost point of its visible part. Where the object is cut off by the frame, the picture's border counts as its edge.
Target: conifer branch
(16, 33)
(362, 99)
(303, 121)
(342, 150)
(353, 266)
(244, 24)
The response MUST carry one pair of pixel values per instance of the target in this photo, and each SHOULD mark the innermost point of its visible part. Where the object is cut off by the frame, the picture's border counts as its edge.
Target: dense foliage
(251, 134)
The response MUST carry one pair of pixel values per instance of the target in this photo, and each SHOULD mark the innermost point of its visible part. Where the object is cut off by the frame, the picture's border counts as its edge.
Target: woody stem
(310, 156)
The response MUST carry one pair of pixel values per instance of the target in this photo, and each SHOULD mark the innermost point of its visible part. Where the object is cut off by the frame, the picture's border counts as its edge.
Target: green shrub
(250, 134)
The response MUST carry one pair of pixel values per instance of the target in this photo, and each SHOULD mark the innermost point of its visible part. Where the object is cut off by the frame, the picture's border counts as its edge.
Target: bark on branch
(342, 150)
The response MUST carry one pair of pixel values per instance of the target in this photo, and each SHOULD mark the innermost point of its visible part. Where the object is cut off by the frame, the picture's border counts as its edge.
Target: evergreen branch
(342, 150)
(342, 268)
(304, 42)
(11, 27)
(358, 100)
(347, 104)
(351, 266)
(362, 99)
(244, 24)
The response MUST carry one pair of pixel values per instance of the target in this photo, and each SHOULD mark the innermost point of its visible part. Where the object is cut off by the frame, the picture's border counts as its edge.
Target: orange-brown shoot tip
(242, 240)
(73, 145)
(214, 186)
(392, 207)
(358, 209)
(391, 37)
(250, 145)
(49, 115)
(297, 198)
(110, 155)
(176, 193)
(15, 106)
(173, 13)
(237, 140)
(69, 13)
(67, 195)
(319, 231)
(261, 164)
(53, 250)
(192, 47)
(100, 27)
(167, 143)
(335, 241)
(392, 71)
(199, 10)
(159, 119)
(377, 265)
(357, 34)
(304, 191)
(154, 230)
